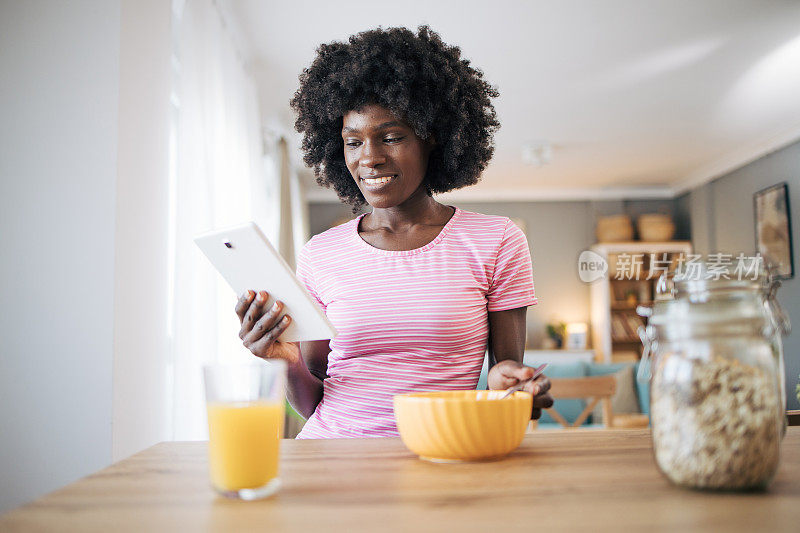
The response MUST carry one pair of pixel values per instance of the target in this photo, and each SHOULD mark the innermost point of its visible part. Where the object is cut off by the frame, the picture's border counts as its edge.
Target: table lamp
(576, 336)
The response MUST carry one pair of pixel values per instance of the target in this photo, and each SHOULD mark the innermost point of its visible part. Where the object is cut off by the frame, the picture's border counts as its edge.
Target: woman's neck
(423, 211)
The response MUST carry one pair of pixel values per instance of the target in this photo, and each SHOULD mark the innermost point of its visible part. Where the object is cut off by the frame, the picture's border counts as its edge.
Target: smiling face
(384, 155)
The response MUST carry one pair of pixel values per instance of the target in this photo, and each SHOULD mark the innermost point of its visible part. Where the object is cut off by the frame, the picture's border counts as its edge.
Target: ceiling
(636, 98)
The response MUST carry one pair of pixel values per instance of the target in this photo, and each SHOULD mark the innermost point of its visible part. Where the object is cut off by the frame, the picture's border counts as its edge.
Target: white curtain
(288, 208)
(218, 179)
(289, 229)
(300, 214)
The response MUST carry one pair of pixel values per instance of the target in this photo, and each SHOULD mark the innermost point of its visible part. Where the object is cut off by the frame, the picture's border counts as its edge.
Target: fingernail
(285, 319)
(277, 306)
(535, 390)
(260, 298)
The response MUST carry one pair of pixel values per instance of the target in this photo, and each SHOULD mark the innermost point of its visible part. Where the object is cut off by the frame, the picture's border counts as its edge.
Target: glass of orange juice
(245, 406)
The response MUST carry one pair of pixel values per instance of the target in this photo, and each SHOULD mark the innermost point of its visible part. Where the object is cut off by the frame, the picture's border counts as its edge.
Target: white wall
(84, 116)
(58, 165)
(141, 343)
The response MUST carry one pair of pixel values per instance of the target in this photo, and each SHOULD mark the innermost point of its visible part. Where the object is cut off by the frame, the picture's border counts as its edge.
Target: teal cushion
(625, 398)
(604, 369)
(569, 409)
(482, 381)
(642, 391)
(544, 426)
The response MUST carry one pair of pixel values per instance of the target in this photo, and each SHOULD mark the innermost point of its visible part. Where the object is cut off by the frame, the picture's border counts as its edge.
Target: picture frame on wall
(773, 226)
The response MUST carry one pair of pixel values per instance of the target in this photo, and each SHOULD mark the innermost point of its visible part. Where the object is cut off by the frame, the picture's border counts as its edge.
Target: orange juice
(243, 443)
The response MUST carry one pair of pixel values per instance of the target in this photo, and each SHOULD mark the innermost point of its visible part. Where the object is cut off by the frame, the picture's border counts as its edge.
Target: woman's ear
(430, 142)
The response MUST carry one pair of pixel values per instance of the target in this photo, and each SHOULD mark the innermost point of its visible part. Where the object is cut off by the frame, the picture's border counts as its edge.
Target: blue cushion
(544, 426)
(569, 409)
(604, 369)
(642, 391)
(482, 381)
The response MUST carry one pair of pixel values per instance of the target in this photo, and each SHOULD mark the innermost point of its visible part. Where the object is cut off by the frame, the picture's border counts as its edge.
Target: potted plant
(555, 334)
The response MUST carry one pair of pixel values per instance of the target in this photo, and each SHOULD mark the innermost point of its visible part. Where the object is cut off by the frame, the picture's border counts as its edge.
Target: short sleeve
(512, 279)
(305, 273)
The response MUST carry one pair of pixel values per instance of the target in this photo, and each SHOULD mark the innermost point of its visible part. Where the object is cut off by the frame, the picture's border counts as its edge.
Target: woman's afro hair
(418, 78)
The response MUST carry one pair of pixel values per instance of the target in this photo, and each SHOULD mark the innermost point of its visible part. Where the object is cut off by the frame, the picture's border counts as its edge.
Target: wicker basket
(615, 228)
(655, 227)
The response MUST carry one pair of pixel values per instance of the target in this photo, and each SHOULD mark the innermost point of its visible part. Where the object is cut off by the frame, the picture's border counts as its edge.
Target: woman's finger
(544, 383)
(510, 373)
(517, 371)
(503, 382)
(536, 413)
(543, 401)
(538, 386)
(531, 387)
(264, 324)
(243, 303)
(253, 313)
(262, 346)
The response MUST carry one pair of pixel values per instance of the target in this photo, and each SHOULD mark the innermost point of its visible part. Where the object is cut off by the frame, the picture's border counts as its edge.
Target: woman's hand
(508, 373)
(261, 328)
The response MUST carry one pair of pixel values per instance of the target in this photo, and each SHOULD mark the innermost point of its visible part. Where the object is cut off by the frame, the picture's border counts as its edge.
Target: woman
(416, 289)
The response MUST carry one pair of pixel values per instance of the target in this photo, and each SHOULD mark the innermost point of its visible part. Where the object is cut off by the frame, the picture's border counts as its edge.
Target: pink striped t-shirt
(411, 320)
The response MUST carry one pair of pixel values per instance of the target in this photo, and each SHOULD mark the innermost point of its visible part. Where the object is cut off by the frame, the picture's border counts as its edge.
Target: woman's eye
(393, 139)
(353, 143)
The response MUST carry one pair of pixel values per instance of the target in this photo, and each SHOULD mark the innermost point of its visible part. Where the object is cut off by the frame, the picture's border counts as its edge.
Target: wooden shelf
(614, 320)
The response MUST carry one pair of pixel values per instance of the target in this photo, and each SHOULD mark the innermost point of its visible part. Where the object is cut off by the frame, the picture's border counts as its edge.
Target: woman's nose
(371, 155)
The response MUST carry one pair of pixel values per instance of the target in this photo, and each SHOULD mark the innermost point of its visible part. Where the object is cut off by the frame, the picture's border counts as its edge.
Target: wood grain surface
(579, 480)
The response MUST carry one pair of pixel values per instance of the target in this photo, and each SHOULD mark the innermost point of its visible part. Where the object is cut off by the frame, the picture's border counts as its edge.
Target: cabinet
(633, 271)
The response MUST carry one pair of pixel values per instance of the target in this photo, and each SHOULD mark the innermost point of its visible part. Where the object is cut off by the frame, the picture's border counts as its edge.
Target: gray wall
(557, 233)
(58, 165)
(723, 220)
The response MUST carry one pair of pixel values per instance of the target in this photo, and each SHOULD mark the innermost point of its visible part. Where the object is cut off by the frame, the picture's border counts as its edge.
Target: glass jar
(714, 355)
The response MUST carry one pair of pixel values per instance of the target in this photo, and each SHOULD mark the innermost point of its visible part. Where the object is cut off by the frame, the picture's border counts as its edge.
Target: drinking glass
(245, 404)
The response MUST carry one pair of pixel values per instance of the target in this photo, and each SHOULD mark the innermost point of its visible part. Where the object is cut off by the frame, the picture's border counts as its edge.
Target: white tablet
(246, 259)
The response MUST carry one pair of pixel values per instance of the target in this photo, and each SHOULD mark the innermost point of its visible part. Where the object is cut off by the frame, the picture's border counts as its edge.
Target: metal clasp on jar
(647, 334)
(779, 316)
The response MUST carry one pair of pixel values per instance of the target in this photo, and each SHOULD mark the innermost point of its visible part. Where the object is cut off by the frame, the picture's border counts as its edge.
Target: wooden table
(580, 480)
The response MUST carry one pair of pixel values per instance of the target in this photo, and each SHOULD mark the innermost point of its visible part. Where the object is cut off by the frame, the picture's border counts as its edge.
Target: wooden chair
(592, 389)
(631, 421)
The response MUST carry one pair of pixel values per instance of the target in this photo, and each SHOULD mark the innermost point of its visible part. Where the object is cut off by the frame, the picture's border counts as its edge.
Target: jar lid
(672, 314)
(699, 279)
(704, 294)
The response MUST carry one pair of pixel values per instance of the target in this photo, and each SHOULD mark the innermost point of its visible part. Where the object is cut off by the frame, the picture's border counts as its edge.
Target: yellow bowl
(468, 425)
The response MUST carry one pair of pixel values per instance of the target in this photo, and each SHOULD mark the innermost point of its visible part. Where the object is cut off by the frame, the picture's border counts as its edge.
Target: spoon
(519, 386)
